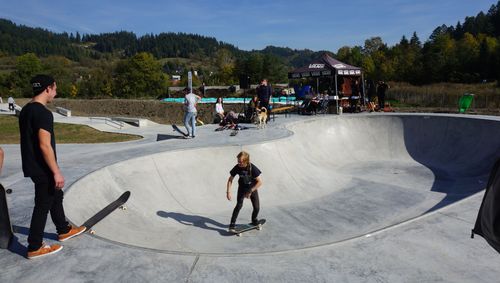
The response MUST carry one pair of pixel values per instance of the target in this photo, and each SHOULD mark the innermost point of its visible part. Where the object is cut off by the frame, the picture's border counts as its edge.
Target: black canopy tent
(327, 66)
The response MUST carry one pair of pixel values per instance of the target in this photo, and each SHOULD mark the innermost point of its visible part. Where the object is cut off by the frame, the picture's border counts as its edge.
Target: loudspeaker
(244, 82)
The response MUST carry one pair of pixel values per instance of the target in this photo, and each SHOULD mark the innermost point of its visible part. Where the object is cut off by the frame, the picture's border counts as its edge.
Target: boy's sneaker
(74, 231)
(232, 228)
(44, 250)
(255, 222)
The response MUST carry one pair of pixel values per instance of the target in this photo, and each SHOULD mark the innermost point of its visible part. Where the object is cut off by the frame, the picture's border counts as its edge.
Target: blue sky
(253, 24)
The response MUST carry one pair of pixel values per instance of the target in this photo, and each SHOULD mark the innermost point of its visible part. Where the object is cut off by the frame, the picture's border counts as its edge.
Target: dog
(261, 117)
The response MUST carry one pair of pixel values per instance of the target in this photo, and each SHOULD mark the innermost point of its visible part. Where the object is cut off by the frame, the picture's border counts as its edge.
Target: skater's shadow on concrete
(20, 249)
(17, 248)
(162, 137)
(197, 221)
(25, 231)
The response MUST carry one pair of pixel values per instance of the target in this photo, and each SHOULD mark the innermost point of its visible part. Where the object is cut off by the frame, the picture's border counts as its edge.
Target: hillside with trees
(123, 65)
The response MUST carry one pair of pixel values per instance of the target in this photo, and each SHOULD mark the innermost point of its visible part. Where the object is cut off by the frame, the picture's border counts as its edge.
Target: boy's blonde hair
(245, 158)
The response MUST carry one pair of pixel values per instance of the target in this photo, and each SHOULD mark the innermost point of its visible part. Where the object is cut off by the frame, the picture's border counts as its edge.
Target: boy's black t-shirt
(35, 116)
(244, 175)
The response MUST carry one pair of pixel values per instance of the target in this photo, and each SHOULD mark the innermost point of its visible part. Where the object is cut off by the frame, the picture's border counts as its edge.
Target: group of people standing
(374, 89)
(377, 90)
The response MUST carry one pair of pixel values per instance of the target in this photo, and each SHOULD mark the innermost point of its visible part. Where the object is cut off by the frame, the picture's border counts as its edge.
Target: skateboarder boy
(39, 159)
(248, 183)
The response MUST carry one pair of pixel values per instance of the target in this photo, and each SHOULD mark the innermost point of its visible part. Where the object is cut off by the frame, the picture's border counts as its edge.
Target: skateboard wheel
(239, 234)
(122, 207)
(259, 227)
(92, 232)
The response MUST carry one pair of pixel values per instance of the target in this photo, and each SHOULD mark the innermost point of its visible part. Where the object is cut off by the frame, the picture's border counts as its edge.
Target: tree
(74, 91)
(140, 76)
(439, 59)
(274, 69)
(384, 70)
(467, 55)
(373, 44)
(368, 67)
(97, 83)
(27, 66)
(253, 66)
(343, 53)
(224, 62)
(59, 67)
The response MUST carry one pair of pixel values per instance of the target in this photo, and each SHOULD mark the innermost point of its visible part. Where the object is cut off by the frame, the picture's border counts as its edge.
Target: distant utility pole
(190, 82)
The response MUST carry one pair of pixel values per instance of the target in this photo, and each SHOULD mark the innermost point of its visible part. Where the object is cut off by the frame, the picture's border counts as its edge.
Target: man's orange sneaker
(45, 250)
(74, 231)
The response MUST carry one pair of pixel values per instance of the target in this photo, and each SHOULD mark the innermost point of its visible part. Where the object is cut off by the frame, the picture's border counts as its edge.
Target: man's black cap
(40, 82)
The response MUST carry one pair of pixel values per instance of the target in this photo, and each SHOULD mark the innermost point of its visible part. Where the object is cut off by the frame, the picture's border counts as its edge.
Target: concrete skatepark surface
(351, 198)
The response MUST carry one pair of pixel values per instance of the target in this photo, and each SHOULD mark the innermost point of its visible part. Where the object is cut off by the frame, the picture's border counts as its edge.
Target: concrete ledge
(17, 109)
(138, 121)
(63, 111)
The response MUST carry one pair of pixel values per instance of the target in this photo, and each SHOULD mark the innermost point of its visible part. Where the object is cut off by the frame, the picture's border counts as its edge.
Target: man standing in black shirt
(39, 159)
(381, 89)
(264, 93)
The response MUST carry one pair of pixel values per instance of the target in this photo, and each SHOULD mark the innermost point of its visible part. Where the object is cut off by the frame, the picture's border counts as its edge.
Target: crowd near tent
(326, 66)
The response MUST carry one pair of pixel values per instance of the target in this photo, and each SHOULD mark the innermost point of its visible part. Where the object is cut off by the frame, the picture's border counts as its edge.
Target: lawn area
(65, 133)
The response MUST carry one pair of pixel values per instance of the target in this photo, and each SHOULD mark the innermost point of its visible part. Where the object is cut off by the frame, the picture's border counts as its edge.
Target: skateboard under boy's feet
(240, 229)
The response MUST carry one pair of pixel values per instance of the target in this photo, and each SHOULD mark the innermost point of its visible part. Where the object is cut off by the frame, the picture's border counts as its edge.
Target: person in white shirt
(11, 102)
(219, 108)
(190, 102)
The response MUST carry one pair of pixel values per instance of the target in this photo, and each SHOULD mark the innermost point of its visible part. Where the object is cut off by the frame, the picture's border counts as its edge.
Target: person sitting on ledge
(219, 110)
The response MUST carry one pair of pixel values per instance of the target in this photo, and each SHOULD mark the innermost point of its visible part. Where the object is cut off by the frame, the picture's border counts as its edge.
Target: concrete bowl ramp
(335, 179)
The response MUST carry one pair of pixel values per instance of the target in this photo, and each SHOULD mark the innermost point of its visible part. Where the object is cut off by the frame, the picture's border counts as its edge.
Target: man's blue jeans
(190, 123)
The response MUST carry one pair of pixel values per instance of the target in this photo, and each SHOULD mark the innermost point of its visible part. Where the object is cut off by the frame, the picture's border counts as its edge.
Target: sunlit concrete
(351, 198)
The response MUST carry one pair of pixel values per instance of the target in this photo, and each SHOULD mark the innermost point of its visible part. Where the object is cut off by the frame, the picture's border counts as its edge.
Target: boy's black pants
(254, 197)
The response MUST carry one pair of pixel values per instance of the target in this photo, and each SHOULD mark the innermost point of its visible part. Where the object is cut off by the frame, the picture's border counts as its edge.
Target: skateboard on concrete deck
(176, 129)
(236, 129)
(240, 229)
(106, 211)
(6, 233)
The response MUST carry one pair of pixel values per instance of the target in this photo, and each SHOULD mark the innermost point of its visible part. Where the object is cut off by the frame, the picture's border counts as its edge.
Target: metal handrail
(110, 122)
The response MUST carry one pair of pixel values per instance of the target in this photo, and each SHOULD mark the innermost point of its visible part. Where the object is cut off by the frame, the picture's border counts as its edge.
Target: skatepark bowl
(336, 178)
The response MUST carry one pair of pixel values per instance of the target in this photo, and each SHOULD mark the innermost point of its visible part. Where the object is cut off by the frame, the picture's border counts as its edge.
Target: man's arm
(50, 157)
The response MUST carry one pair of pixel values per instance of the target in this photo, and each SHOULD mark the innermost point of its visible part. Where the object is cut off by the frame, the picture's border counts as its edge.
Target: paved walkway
(351, 198)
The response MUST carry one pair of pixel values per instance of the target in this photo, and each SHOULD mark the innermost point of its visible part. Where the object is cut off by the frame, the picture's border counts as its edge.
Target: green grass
(65, 133)
(486, 95)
